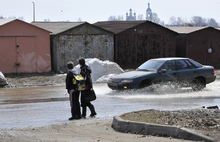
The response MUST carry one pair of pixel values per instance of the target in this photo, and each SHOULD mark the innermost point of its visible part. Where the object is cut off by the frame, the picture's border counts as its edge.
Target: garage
(73, 40)
(24, 48)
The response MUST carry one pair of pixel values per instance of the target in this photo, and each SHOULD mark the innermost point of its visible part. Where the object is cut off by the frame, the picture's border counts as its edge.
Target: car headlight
(127, 81)
(109, 80)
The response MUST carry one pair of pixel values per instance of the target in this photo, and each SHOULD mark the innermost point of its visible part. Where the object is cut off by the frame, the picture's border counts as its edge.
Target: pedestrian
(73, 92)
(86, 73)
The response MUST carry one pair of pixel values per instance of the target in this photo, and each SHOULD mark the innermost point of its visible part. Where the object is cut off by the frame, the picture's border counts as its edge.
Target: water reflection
(32, 94)
(49, 104)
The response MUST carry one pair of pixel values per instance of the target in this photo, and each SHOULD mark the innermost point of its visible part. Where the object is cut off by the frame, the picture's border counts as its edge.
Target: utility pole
(33, 11)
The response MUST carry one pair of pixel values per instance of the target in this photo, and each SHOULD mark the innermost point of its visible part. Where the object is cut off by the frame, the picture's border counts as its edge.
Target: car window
(181, 65)
(196, 64)
(190, 64)
(169, 66)
(150, 65)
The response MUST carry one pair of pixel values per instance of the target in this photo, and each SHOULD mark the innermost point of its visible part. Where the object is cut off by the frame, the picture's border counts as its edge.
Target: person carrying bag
(88, 92)
(73, 92)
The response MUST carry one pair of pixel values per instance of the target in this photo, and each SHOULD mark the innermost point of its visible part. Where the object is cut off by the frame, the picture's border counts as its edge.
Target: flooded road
(33, 106)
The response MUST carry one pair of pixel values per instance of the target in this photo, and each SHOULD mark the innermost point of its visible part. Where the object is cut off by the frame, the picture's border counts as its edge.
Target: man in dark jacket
(73, 92)
(86, 73)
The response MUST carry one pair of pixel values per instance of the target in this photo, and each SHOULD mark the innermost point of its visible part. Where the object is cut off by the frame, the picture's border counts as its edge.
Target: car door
(186, 72)
(169, 73)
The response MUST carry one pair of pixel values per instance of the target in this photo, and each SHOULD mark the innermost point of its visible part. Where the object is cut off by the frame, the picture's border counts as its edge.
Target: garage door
(7, 54)
(17, 54)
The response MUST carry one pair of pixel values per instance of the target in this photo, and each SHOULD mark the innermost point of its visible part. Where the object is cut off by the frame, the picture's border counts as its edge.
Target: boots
(92, 109)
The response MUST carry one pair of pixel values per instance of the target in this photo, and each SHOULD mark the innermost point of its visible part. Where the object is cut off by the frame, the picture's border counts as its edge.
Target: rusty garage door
(17, 54)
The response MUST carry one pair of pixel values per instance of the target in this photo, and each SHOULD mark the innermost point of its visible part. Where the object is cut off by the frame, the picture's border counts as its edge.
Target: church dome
(148, 9)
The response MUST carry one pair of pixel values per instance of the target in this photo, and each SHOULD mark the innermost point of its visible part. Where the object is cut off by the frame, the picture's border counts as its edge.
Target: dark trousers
(85, 103)
(75, 105)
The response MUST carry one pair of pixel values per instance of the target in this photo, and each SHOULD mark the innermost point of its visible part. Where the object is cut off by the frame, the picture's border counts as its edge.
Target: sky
(93, 11)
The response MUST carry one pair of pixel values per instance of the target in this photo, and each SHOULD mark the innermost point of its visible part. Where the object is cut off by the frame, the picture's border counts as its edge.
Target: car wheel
(145, 84)
(198, 84)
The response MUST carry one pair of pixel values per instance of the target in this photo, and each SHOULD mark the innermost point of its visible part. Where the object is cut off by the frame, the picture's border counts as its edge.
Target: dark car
(182, 71)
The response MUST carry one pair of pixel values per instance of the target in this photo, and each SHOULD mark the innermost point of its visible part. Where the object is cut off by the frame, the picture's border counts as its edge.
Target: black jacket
(86, 73)
(69, 80)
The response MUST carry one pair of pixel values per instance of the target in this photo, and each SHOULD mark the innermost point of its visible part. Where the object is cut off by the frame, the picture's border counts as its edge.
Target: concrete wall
(85, 41)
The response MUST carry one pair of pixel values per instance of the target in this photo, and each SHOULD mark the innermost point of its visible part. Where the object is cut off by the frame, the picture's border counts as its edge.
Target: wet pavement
(34, 106)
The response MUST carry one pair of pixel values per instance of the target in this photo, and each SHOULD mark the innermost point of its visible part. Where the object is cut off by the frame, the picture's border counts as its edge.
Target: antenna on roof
(33, 11)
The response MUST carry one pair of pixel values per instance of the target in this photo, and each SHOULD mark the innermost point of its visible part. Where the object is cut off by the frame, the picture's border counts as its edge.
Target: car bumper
(210, 79)
(119, 86)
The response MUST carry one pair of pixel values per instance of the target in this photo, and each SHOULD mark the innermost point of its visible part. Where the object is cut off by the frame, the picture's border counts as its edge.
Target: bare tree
(180, 21)
(155, 18)
(114, 18)
(12, 17)
(79, 20)
(172, 21)
(198, 21)
(212, 23)
(120, 18)
(140, 17)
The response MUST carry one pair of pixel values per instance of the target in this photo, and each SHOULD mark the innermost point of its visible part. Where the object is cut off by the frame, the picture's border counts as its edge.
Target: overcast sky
(100, 10)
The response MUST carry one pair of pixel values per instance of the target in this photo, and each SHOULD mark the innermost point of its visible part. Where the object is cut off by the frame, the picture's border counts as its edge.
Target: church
(132, 17)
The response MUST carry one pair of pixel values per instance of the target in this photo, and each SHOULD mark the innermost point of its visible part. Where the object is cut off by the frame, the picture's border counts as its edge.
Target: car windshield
(150, 65)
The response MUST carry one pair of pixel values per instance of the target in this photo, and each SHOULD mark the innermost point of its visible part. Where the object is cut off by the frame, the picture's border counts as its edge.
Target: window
(150, 65)
(169, 66)
(196, 64)
(190, 64)
(181, 65)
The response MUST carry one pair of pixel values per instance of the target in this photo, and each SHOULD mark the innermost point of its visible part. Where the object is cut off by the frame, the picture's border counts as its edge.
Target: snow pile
(3, 80)
(1, 74)
(101, 70)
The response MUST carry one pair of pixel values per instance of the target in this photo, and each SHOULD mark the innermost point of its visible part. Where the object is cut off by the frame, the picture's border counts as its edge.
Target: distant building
(130, 17)
(149, 13)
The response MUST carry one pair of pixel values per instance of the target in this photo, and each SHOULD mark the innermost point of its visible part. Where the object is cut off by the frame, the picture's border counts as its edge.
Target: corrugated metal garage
(72, 40)
(138, 41)
(24, 48)
(199, 43)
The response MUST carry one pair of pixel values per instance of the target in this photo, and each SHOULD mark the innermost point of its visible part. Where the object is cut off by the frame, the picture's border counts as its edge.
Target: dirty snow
(3, 80)
(101, 70)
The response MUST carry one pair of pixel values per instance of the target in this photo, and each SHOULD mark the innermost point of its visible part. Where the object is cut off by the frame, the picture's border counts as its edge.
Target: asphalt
(125, 126)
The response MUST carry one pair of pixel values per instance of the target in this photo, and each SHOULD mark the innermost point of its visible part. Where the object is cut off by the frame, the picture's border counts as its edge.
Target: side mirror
(163, 71)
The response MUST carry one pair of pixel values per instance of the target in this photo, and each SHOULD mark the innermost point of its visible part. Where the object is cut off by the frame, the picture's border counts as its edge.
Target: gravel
(204, 121)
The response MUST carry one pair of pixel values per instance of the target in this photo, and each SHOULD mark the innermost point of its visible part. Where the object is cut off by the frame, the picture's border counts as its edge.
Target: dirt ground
(83, 130)
(76, 131)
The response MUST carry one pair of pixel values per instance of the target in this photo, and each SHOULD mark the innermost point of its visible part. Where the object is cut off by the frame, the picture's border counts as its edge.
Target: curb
(121, 125)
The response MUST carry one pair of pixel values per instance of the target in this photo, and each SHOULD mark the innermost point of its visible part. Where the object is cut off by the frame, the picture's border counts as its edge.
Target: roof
(169, 58)
(120, 26)
(5, 21)
(57, 27)
(185, 30)
(117, 26)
